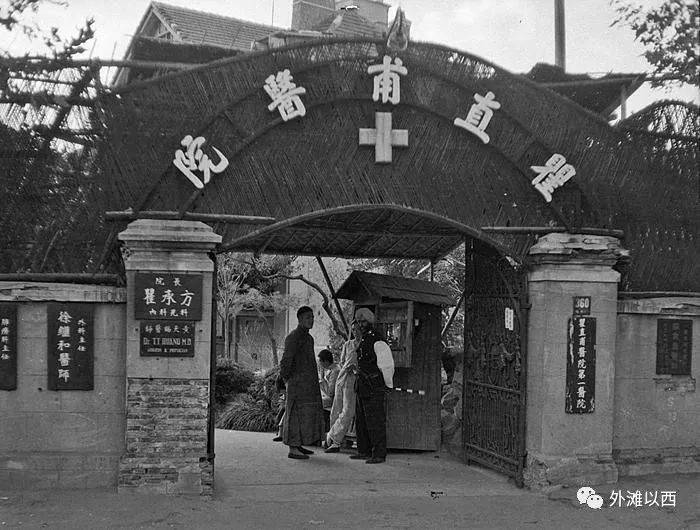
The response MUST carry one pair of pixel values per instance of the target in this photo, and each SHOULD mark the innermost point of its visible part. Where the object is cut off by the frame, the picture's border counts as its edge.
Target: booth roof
(397, 287)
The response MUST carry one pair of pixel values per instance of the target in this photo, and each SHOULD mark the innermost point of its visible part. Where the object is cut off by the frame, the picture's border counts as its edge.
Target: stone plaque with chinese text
(673, 346)
(580, 365)
(168, 296)
(71, 351)
(166, 338)
(8, 347)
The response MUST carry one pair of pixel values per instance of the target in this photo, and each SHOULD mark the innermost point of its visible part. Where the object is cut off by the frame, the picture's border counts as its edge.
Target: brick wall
(166, 437)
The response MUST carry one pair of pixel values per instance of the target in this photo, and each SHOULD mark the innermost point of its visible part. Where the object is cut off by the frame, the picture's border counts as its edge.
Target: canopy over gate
(315, 184)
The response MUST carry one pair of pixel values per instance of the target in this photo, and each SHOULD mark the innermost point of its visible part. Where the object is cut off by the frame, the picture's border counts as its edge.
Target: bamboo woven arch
(288, 170)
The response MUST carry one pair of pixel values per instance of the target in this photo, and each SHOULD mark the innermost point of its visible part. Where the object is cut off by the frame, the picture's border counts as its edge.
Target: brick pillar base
(166, 432)
(167, 398)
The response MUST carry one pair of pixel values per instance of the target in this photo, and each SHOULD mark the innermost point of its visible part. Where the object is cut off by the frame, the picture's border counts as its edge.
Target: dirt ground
(258, 487)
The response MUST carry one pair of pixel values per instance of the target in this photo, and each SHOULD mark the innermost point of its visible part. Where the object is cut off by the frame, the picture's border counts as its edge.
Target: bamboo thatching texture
(625, 180)
(313, 169)
(51, 218)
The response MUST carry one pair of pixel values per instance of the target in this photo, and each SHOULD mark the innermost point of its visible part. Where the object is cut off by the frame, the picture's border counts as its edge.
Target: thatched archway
(288, 169)
(282, 170)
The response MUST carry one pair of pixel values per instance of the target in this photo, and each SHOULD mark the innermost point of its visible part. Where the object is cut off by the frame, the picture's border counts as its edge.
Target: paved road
(257, 486)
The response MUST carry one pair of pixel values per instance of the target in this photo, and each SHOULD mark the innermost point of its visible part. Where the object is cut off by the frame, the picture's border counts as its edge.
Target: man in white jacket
(375, 373)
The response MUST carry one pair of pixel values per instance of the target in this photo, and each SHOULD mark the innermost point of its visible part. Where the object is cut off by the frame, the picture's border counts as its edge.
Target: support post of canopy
(332, 290)
(453, 313)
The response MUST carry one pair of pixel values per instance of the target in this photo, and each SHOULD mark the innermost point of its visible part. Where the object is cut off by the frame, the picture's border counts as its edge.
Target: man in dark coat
(375, 372)
(303, 418)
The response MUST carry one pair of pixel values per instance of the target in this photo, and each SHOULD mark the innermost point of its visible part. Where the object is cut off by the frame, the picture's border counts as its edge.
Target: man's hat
(364, 314)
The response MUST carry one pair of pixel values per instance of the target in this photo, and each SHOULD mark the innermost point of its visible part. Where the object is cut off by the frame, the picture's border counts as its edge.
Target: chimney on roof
(308, 13)
(375, 11)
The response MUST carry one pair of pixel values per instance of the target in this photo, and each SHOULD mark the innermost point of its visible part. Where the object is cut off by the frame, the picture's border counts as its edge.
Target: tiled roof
(352, 25)
(198, 27)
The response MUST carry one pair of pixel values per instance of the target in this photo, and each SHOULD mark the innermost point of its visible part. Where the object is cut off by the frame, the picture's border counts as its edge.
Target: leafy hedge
(255, 409)
(231, 378)
(243, 413)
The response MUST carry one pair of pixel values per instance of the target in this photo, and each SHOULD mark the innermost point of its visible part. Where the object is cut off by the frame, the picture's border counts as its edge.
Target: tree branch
(326, 305)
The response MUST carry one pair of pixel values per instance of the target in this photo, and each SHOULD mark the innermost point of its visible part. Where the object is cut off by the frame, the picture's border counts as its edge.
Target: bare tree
(287, 274)
(13, 17)
(231, 272)
(248, 282)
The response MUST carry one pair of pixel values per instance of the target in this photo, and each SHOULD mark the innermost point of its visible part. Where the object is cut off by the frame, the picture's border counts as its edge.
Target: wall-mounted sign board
(166, 338)
(8, 347)
(168, 296)
(71, 346)
(580, 365)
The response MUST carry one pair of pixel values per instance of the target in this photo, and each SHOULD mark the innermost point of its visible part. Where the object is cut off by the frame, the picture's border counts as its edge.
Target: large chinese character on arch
(285, 95)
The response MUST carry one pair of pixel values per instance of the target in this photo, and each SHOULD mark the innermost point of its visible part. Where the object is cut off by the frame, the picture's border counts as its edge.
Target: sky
(515, 34)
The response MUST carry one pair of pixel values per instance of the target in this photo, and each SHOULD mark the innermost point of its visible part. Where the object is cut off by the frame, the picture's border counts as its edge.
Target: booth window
(673, 346)
(393, 323)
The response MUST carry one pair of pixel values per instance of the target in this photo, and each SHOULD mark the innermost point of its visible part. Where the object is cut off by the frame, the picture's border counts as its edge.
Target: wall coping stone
(663, 305)
(558, 247)
(23, 291)
(171, 233)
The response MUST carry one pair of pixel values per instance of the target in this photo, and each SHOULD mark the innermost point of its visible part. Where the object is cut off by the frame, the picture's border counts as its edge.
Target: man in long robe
(303, 418)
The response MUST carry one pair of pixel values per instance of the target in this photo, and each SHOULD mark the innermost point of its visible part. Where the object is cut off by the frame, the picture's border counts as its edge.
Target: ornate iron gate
(495, 326)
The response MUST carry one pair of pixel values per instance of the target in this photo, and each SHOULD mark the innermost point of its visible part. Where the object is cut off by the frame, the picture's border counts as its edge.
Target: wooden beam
(335, 298)
(46, 63)
(550, 229)
(623, 102)
(22, 98)
(130, 215)
(559, 34)
(83, 278)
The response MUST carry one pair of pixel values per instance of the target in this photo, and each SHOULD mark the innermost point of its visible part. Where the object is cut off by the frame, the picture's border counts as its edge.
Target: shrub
(243, 413)
(263, 386)
(231, 378)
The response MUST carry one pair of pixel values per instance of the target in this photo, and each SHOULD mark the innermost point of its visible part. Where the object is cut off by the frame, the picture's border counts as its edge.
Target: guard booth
(409, 316)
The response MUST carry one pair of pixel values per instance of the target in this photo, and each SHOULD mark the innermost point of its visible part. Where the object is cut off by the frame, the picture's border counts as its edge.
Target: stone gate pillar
(167, 397)
(563, 447)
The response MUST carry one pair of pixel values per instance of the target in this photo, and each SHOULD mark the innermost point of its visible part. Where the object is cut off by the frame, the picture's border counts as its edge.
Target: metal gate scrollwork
(495, 364)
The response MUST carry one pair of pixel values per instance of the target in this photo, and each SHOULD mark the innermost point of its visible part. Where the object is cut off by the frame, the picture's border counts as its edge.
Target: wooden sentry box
(408, 316)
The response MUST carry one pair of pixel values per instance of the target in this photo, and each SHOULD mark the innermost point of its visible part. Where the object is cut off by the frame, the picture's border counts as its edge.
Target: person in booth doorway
(375, 374)
(303, 416)
(327, 380)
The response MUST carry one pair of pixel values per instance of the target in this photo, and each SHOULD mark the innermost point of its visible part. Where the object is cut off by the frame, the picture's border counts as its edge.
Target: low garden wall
(62, 438)
(657, 415)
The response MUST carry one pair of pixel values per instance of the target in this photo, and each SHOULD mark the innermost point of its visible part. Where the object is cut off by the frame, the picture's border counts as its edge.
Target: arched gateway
(349, 148)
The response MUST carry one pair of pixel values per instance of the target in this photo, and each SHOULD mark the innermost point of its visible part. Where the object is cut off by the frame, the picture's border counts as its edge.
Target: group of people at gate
(322, 409)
